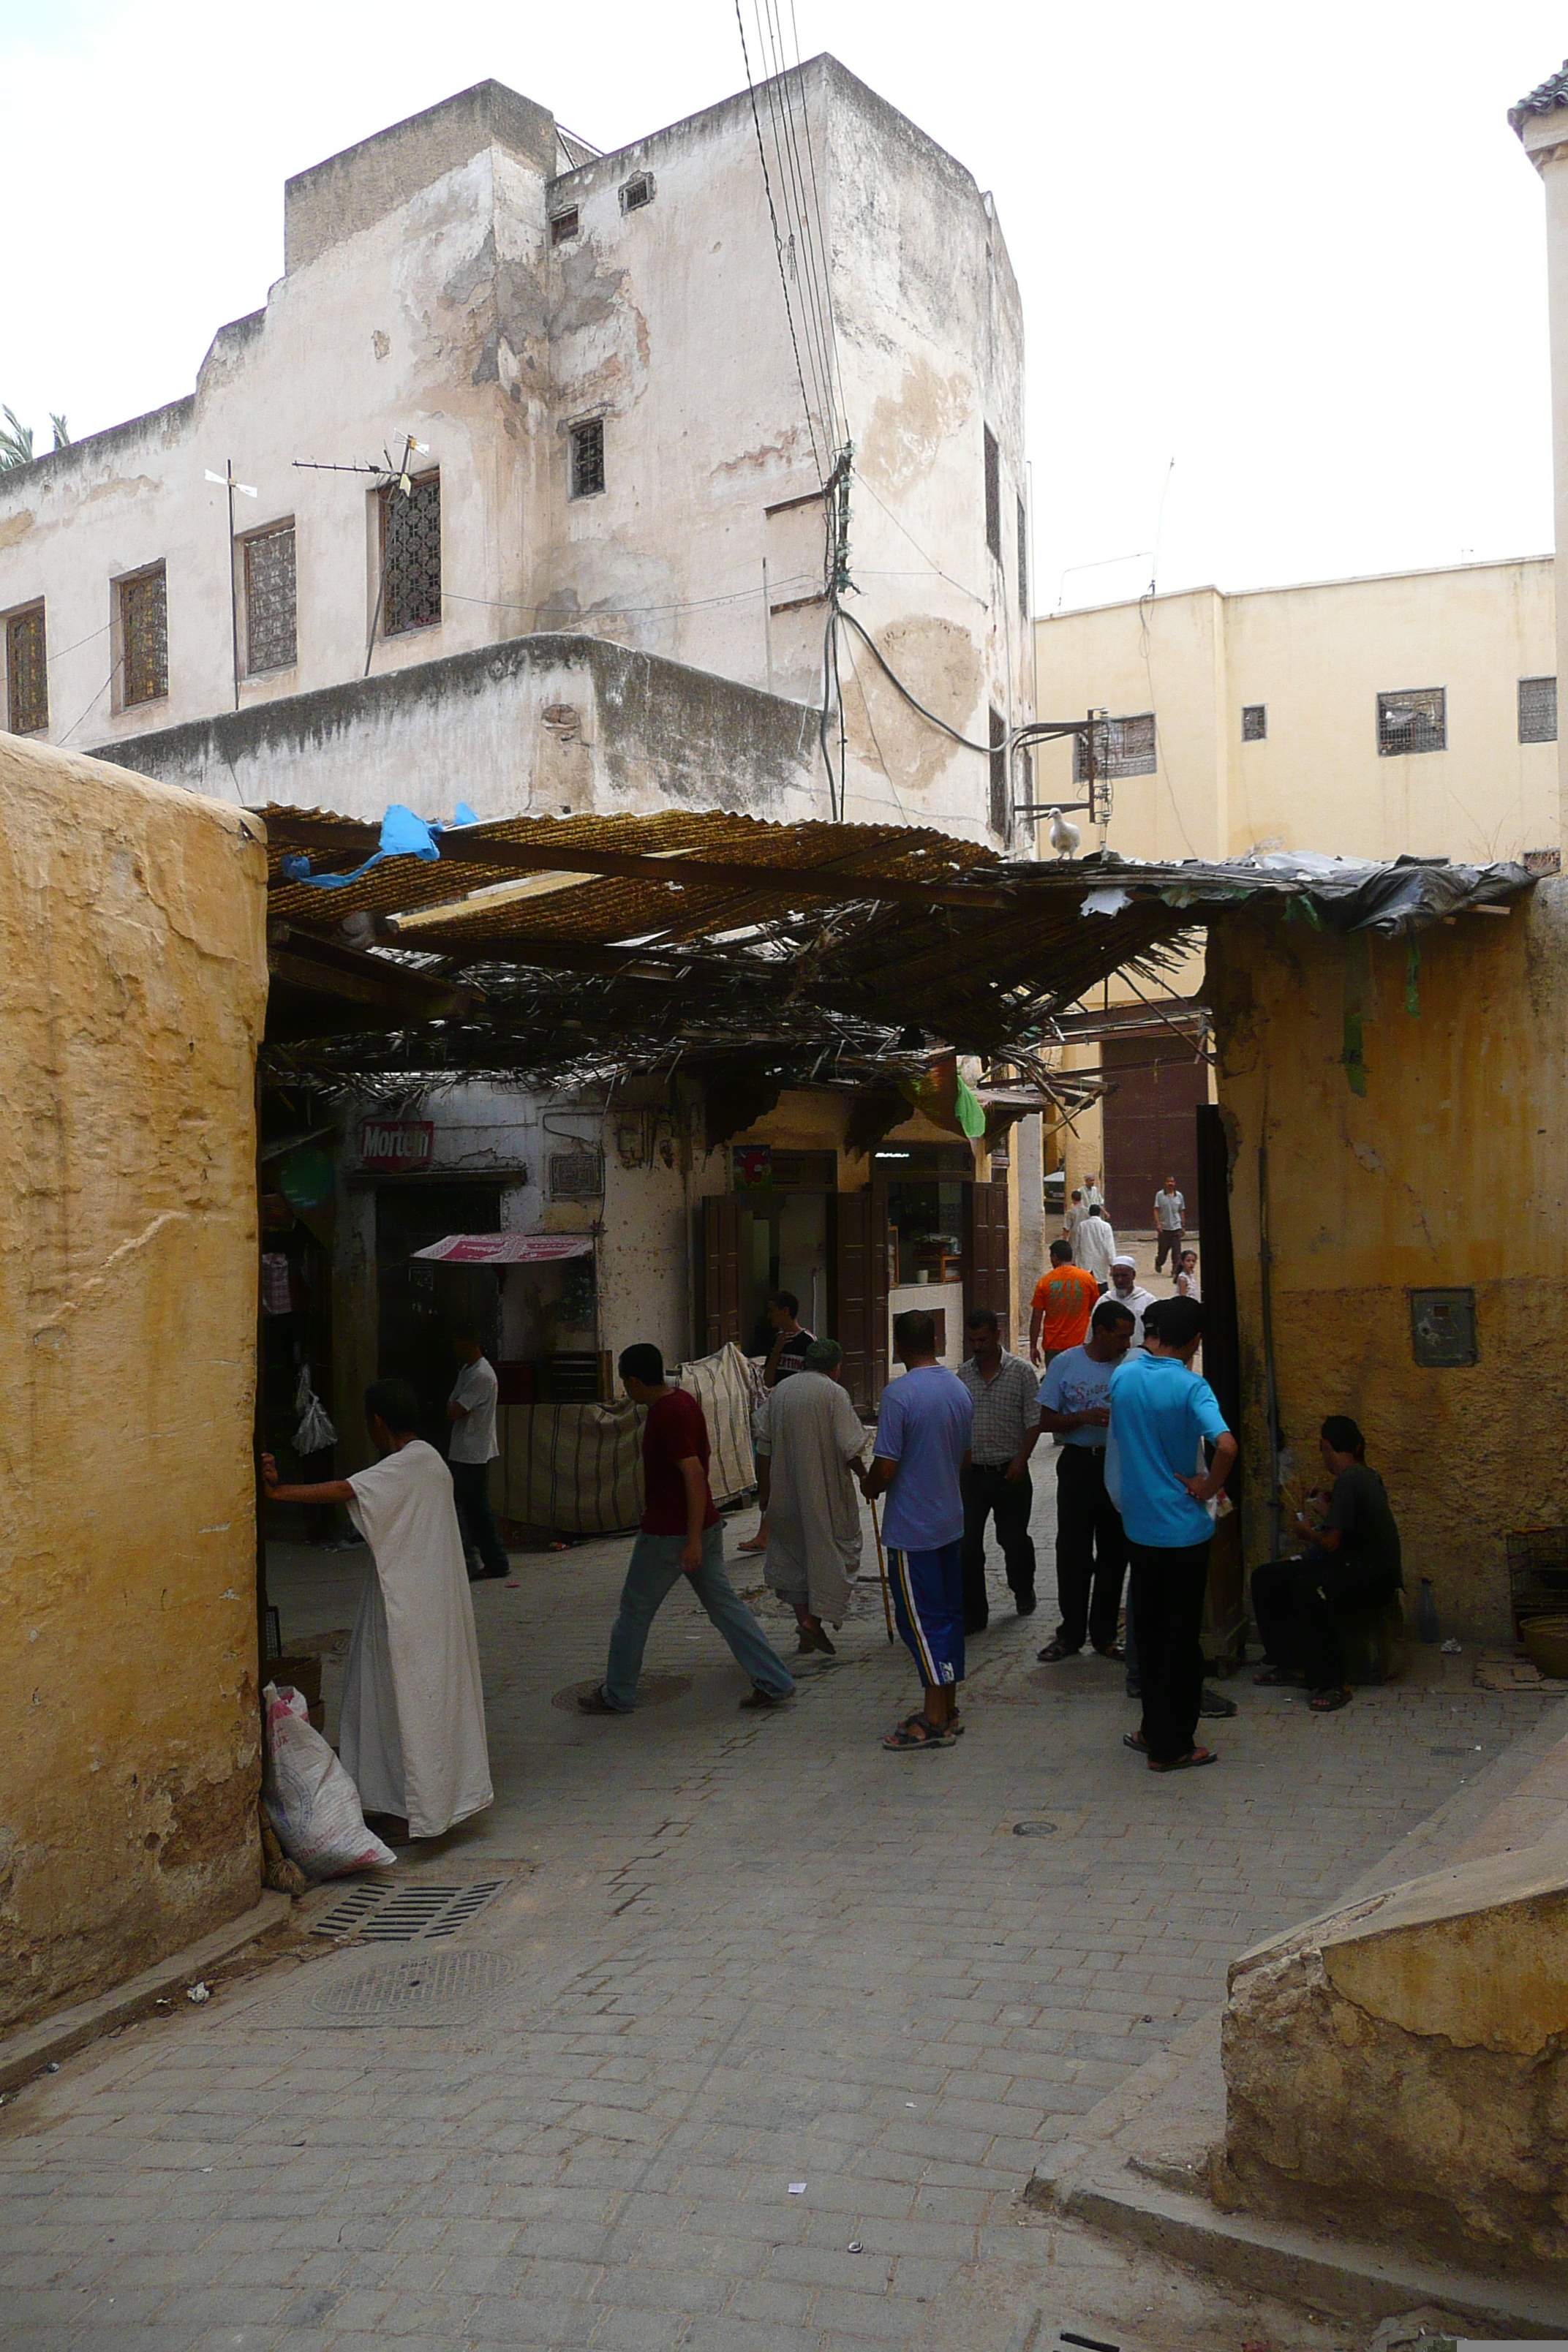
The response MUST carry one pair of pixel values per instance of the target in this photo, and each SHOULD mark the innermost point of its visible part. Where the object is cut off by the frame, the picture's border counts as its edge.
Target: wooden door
(860, 1260)
(990, 1262)
(1149, 1127)
(722, 1271)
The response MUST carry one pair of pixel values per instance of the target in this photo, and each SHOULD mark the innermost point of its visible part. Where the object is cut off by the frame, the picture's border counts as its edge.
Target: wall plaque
(1443, 1327)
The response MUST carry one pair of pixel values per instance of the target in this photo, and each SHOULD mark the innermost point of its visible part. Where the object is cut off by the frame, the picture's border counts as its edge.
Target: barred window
(637, 191)
(1000, 812)
(1253, 722)
(1538, 710)
(1122, 746)
(144, 637)
(588, 458)
(993, 493)
(269, 604)
(1416, 720)
(26, 673)
(1023, 560)
(411, 555)
(563, 227)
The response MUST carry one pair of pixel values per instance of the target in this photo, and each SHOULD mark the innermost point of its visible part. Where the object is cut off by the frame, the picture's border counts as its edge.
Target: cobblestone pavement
(730, 1955)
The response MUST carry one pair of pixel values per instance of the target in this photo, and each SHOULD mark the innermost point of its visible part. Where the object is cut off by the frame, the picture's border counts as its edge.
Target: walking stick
(882, 1570)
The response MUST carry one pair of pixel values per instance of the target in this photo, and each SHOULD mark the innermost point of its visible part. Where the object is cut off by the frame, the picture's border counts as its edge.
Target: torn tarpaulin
(1393, 897)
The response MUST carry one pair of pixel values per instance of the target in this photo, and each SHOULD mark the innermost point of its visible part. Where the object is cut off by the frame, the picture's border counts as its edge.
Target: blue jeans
(654, 1568)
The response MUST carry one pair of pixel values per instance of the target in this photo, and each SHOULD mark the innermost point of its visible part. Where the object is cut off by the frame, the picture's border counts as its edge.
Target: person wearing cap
(1126, 1287)
(812, 1438)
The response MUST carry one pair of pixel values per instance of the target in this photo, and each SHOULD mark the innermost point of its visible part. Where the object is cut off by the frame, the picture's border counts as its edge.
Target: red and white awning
(508, 1249)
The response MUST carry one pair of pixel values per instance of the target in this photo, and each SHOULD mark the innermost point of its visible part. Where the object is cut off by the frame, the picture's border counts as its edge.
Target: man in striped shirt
(997, 1482)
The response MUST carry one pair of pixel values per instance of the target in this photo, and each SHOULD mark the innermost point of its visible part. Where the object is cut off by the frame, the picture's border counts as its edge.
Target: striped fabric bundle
(578, 1467)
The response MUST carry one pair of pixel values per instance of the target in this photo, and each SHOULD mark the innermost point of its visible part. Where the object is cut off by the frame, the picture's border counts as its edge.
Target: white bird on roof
(1065, 836)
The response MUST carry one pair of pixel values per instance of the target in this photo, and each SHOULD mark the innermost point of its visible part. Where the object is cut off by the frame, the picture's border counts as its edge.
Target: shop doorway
(420, 1304)
(1150, 1131)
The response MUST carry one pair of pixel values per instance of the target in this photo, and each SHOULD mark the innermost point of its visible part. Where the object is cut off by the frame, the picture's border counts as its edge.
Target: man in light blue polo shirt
(1161, 1411)
(922, 1447)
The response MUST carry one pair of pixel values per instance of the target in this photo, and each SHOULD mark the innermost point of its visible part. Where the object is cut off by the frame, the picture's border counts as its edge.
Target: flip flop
(1188, 1763)
(1052, 1654)
(1136, 1741)
(1273, 1677)
(1329, 1702)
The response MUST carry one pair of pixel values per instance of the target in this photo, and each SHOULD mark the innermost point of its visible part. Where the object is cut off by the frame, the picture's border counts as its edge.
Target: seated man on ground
(1351, 1558)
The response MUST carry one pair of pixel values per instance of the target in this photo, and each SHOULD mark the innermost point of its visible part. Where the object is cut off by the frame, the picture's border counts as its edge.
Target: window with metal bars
(1122, 746)
(562, 227)
(588, 458)
(1253, 722)
(1415, 720)
(26, 673)
(1000, 814)
(144, 637)
(1023, 562)
(411, 556)
(993, 493)
(637, 191)
(270, 600)
(1538, 710)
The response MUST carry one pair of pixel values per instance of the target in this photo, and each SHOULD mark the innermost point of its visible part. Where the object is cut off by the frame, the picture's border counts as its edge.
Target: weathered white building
(562, 466)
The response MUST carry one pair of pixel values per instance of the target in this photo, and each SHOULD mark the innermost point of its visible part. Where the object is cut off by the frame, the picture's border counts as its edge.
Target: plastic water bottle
(1427, 1626)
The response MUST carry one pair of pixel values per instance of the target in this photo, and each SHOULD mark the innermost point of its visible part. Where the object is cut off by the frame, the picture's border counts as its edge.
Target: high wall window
(993, 493)
(1001, 813)
(637, 191)
(1023, 560)
(270, 600)
(143, 637)
(1538, 710)
(1414, 721)
(1253, 722)
(26, 673)
(411, 556)
(563, 227)
(1122, 746)
(588, 458)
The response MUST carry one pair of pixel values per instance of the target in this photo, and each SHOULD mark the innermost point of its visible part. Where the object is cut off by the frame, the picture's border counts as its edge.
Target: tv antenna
(392, 474)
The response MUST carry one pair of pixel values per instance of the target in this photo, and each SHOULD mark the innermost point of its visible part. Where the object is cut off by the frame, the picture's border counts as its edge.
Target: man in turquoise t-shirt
(1161, 1410)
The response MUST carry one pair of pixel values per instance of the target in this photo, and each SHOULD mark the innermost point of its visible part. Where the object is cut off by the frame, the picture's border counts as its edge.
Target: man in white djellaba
(411, 1733)
(813, 1436)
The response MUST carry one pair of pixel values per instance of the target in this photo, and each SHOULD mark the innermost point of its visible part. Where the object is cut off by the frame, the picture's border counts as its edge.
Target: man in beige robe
(813, 1436)
(411, 1733)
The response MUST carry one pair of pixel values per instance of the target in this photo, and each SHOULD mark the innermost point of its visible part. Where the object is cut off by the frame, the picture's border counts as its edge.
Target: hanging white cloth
(814, 1434)
(413, 1726)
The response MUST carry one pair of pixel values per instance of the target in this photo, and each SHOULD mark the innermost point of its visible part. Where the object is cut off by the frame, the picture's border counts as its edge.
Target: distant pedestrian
(1078, 1210)
(470, 1450)
(997, 1482)
(921, 1445)
(1063, 1302)
(1351, 1554)
(1161, 1411)
(1126, 1286)
(1095, 1249)
(813, 1437)
(1091, 1545)
(682, 1536)
(786, 1354)
(1092, 1195)
(1170, 1217)
(1187, 1277)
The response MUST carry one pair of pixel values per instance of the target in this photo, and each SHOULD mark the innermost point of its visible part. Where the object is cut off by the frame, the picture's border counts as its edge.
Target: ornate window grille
(1122, 746)
(26, 673)
(269, 600)
(1000, 814)
(144, 637)
(588, 458)
(1538, 710)
(1416, 720)
(1253, 722)
(411, 556)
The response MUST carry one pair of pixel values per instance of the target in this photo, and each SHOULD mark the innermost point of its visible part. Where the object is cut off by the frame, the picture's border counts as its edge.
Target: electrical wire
(92, 638)
(793, 181)
(799, 246)
(97, 698)
(778, 242)
(821, 224)
(983, 602)
(882, 663)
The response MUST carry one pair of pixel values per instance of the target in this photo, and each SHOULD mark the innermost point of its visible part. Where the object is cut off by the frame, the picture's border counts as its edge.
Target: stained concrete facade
(471, 278)
(132, 934)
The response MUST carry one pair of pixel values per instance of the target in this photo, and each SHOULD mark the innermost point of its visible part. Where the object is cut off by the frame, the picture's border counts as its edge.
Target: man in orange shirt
(1064, 1300)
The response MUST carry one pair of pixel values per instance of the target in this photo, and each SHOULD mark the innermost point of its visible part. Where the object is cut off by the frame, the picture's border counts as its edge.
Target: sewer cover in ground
(653, 1690)
(404, 1913)
(439, 1988)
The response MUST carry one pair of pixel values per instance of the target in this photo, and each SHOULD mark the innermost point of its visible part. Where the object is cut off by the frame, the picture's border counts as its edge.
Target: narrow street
(725, 1956)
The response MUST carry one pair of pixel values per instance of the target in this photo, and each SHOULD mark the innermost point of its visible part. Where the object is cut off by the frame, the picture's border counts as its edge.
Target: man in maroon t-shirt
(681, 1535)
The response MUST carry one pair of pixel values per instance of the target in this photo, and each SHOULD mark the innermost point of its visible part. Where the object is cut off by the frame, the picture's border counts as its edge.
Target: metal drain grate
(407, 1914)
(436, 1989)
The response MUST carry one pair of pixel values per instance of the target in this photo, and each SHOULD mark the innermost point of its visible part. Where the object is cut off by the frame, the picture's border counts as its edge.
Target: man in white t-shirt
(1170, 1218)
(1094, 1246)
(470, 1450)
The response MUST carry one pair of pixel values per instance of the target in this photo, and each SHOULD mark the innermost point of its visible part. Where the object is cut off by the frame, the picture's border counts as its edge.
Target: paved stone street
(727, 1956)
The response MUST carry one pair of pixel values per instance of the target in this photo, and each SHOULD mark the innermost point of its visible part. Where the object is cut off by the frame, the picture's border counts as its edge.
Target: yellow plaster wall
(1448, 1171)
(133, 921)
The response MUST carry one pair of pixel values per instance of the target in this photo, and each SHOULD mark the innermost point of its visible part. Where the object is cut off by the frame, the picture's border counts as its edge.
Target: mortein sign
(397, 1147)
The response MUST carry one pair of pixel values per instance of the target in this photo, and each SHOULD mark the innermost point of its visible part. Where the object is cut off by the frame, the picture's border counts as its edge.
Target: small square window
(26, 673)
(411, 555)
(637, 192)
(562, 227)
(1416, 720)
(993, 493)
(269, 605)
(588, 458)
(1538, 710)
(144, 637)
(1253, 722)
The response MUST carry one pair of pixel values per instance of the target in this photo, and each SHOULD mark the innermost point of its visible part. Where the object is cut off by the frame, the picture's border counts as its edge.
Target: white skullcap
(1124, 1260)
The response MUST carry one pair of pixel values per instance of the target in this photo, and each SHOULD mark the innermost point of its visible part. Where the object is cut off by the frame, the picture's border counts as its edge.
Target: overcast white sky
(1298, 251)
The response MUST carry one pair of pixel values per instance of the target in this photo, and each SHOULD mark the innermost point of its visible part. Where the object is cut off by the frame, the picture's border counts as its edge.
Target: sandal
(1329, 1702)
(1188, 1763)
(1136, 1741)
(1274, 1677)
(815, 1637)
(917, 1733)
(1116, 1653)
(1053, 1652)
(955, 1723)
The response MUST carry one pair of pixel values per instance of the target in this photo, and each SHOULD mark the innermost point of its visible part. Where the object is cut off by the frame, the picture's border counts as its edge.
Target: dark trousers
(1294, 1603)
(1168, 1586)
(1091, 1550)
(989, 1492)
(1173, 1242)
(472, 1493)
